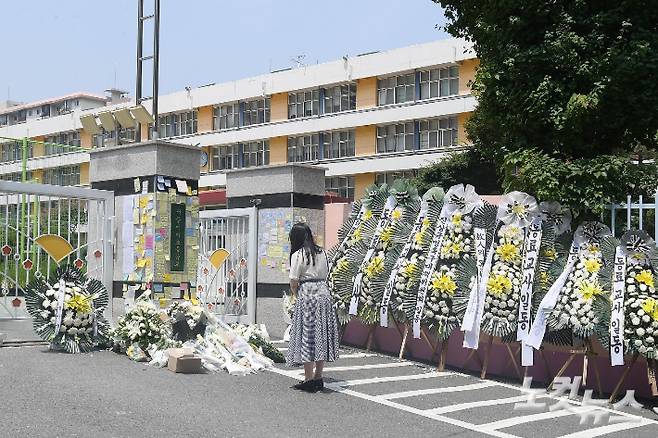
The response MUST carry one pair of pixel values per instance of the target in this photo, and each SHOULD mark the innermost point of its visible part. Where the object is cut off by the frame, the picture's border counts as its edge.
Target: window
(389, 177)
(396, 89)
(439, 82)
(437, 133)
(13, 151)
(173, 125)
(303, 104)
(303, 148)
(236, 156)
(256, 153)
(126, 135)
(16, 176)
(256, 111)
(339, 98)
(62, 176)
(226, 116)
(342, 186)
(225, 157)
(53, 142)
(338, 144)
(395, 138)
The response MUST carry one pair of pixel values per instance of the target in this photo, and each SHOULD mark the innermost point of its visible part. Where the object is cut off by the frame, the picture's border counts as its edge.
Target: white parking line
(417, 392)
(523, 419)
(373, 366)
(422, 413)
(283, 348)
(478, 404)
(355, 382)
(280, 341)
(609, 428)
(356, 355)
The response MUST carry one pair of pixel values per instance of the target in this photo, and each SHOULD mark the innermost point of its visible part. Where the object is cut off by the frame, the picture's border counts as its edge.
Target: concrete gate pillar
(284, 194)
(156, 215)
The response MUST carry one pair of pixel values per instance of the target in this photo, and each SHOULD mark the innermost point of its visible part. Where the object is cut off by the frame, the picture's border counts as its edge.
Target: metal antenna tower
(155, 57)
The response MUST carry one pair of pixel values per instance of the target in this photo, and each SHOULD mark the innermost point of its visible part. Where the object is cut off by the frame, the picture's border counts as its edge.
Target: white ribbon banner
(60, 305)
(390, 284)
(530, 257)
(473, 316)
(355, 225)
(617, 314)
(430, 264)
(383, 220)
(536, 335)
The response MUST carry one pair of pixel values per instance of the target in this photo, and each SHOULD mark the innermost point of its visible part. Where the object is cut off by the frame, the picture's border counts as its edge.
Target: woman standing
(314, 331)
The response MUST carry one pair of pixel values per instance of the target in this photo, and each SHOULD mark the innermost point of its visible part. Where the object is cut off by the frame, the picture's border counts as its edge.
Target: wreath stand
(542, 353)
(484, 365)
(434, 347)
(586, 352)
(652, 369)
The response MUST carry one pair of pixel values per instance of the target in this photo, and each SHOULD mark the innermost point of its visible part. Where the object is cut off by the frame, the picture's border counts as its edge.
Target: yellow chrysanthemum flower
(443, 283)
(342, 265)
(592, 265)
(409, 269)
(498, 285)
(519, 209)
(396, 214)
(386, 235)
(588, 289)
(426, 223)
(79, 303)
(508, 252)
(375, 266)
(418, 237)
(543, 278)
(456, 218)
(550, 253)
(367, 215)
(356, 236)
(645, 276)
(650, 307)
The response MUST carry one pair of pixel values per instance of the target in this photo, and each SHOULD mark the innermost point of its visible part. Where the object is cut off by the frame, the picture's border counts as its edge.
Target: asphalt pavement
(103, 394)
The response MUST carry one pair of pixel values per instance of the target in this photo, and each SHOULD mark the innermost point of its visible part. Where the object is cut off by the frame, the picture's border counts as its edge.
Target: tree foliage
(468, 167)
(586, 185)
(569, 78)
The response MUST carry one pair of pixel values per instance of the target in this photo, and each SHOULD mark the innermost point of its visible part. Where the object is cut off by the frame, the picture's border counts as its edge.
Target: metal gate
(226, 280)
(82, 217)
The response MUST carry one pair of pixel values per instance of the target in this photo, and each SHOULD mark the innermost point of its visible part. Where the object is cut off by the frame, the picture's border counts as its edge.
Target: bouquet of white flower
(576, 307)
(188, 320)
(354, 237)
(434, 304)
(144, 325)
(68, 312)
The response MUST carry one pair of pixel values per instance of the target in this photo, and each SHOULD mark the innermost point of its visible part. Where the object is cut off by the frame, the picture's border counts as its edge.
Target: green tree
(569, 78)
(468, 167)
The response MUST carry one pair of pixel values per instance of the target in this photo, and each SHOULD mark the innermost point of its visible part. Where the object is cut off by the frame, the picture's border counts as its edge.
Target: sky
(53, 48)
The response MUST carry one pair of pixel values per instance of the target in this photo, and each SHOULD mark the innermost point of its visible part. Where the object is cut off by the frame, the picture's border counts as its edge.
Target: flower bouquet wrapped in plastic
(144, 325)
(68, 312)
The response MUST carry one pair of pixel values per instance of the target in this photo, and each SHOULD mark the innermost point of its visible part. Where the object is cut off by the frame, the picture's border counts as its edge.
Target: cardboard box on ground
(183, 360)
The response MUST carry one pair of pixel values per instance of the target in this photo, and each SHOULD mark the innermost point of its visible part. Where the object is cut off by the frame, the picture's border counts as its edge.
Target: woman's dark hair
(301, 237)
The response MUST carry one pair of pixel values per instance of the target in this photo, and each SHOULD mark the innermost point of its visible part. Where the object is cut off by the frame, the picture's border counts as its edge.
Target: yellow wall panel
(462, 136)
(84, 174)
(278, 150)
(38, 149)
(365, 139)
(361, 181)
(37, 175)
(366, 93)
(85, 139)
(466, 74)
(144, 131)
(279, 107)
(204, 118)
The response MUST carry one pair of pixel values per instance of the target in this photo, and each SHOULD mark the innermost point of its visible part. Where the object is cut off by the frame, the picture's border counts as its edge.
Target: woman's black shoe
(306, 385)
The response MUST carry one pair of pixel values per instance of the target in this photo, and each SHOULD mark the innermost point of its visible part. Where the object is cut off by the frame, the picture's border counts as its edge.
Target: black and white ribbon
(617, 314)
(390, 284)
(538, 329)
(426, 276)
(384, 219)
(59, 312)
(530, 257)
(475, 308)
